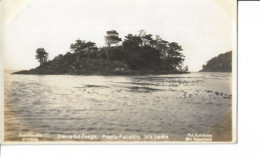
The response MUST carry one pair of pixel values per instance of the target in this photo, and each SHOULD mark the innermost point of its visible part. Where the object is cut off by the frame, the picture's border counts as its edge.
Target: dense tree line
(139, 52)
(220, 63)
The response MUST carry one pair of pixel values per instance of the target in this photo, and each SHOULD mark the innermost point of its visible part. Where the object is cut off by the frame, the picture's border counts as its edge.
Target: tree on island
(172, 54)
(82, 47)
(111, 38)
(220, 63)
(132, 42)
(139, 53)
(41, 56)
(146, 38)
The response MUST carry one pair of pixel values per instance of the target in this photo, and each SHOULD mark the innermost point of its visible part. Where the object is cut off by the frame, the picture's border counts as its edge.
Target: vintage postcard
(118, 71)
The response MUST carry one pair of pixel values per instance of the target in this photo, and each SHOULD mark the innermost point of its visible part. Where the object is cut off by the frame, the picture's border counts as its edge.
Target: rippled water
(174, 105)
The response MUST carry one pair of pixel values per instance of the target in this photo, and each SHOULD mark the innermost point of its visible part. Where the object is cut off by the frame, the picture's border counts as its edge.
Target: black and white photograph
(119, 71)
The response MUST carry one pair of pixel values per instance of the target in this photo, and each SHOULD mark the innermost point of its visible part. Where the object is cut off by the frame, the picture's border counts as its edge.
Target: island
(221, 63)
(136, 55)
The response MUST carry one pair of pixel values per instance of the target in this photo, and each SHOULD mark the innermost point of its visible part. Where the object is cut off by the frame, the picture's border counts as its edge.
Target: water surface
(174, 105)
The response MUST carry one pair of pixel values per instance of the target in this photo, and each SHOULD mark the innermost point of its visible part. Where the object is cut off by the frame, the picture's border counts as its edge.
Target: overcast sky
(202, 27)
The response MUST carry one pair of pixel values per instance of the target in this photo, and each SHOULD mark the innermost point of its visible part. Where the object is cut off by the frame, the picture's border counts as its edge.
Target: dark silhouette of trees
(91, 46)
(220, 63)
(78, 47)
(83, 47)
(171, 55)
(41, 56)
(132, 42)
(111, 38)
(186, 69)
(140, 52)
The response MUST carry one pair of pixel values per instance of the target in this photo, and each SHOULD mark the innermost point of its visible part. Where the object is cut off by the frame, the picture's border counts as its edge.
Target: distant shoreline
(220, 63)
(126, 73)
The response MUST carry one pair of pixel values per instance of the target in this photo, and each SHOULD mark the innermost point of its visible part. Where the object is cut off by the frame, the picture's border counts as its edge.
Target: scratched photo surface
(87, 71)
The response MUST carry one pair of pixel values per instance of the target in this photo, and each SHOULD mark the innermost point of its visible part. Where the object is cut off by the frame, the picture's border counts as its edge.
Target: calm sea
(174, 105)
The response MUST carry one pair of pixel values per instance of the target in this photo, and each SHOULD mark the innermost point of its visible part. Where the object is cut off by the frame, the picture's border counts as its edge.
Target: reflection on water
(170, 104)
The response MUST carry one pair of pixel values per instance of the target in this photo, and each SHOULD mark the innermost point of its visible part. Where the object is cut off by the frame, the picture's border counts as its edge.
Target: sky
(204, 28)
